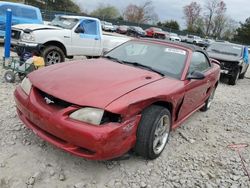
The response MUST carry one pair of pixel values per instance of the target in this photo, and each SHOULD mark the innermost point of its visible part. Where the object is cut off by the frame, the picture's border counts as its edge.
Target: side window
(199, 62)
(90, 27)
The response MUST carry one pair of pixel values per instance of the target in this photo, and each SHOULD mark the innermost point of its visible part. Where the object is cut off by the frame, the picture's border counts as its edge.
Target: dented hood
(34, 27)
(223, 57)
(92, 82)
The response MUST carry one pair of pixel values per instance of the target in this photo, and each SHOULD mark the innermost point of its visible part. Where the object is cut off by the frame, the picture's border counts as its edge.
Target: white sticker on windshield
(176, 51)
(237, 48)
(66, 23)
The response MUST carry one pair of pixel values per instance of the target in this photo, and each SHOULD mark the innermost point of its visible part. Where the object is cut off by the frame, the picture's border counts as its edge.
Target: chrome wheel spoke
(161, 134)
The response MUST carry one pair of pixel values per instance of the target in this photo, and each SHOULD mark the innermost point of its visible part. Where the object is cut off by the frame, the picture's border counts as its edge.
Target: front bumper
(54, 126)
(27, 45)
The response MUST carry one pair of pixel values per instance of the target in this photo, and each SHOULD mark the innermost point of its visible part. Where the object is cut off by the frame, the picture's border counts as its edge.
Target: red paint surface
(114, 87)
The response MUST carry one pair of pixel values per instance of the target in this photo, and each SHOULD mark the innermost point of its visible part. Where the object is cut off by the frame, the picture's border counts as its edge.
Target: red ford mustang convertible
(129, 99)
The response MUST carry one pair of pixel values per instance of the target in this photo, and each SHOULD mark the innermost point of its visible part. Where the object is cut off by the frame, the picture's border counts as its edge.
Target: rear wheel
(153, 132)
(234, 79)
(208, 101)
(53, 55)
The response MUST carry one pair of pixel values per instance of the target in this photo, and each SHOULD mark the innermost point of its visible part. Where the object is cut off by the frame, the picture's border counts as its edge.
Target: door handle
(96, 38)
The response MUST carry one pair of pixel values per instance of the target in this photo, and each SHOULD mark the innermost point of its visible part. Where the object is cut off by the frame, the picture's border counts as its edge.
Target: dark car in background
(122, 29)
(233, 59)
(136, 31)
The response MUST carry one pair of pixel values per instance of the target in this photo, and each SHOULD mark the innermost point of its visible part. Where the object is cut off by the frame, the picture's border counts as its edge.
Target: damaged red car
(131, 98)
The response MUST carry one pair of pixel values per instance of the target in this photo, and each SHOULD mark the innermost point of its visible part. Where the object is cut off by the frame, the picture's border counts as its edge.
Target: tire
(242, 75)
(21, 76)
(208, 101)
(234, 79)
(53, 55)
(152, 136)
(9, 76)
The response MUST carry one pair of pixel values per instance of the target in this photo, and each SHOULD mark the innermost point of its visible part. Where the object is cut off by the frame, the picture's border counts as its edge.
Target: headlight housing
(88, 115)
(28, 37)
(26, 85)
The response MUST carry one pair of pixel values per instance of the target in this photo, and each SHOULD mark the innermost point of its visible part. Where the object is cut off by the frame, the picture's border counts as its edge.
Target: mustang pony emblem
(48, 101)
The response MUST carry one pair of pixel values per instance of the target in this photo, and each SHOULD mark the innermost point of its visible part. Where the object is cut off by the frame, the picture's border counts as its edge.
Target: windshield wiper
(144, 66)
(114, 59)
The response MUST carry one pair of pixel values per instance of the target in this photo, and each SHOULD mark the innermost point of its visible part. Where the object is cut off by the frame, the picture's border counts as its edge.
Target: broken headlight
(26, 85)
(88, 115)
(28, 37)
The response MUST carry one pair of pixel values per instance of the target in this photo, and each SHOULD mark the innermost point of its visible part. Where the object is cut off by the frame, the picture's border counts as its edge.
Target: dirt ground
(196, 155)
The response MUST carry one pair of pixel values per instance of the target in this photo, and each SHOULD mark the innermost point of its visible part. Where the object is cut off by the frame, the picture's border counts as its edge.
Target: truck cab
(66, 36)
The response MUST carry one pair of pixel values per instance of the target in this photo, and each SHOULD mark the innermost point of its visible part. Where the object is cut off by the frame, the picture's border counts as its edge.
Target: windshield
(65, 23)
(108, 23)
(157, 29)
(173, 34)
(19, 11)
(227, 49)
(163, 59)
(139, 29)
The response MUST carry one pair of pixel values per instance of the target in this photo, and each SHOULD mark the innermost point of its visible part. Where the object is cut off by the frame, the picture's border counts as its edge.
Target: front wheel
(53, 55)
(234, 79)
(153, 132)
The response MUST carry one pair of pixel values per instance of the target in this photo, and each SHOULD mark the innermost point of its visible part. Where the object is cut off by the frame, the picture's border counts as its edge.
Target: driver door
(86, 39)
(196, 90)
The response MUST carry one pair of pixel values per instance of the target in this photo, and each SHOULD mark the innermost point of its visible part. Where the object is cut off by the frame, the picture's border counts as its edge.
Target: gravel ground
(196, 156)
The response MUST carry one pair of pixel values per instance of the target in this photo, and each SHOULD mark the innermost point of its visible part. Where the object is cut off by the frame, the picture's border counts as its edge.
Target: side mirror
(79, 30)
(196, 75)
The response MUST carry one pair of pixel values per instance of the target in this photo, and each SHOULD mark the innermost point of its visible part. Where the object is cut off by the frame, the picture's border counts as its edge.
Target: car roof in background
(17, 4)
(227, 43)
(77, 17)
(180, 44)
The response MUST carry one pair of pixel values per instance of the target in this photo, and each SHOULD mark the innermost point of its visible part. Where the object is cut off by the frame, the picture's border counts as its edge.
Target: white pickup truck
(66, 36)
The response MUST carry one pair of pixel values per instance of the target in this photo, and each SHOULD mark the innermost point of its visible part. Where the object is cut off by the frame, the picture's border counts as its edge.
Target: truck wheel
(9, 76)
(234, 79)
(242, 76)
(153, 132)
(53, 55)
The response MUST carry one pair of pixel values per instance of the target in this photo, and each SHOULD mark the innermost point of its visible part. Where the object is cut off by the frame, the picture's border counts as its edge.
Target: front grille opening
(228, 65)
(110, 117)
(49, 99)
(85, 151)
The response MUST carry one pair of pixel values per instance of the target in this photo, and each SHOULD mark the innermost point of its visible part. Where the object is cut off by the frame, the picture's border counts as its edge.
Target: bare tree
(210, 6)
(140, 13)
(192, 14)
(220, 19)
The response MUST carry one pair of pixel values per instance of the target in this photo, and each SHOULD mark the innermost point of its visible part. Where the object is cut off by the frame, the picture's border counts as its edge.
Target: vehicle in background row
(136, 31)
(233, 59)
(129, 99)
(66, 36)
(207, 42)
(183, 38)
(155, 33)
(122, 29)
(107, 26)
(174, 37)
(193, 39)
(21, 14)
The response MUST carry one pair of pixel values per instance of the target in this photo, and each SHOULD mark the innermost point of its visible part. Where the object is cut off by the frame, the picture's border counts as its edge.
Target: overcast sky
(239, 10)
